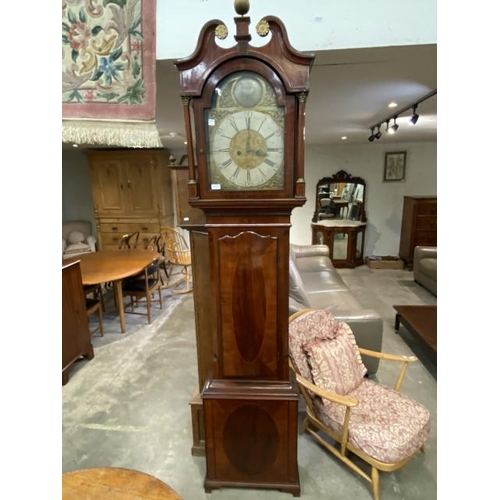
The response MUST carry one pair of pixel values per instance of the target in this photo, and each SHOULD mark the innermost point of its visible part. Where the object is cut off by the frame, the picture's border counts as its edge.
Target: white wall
(311, 25)
(384, 200)
(76, 188)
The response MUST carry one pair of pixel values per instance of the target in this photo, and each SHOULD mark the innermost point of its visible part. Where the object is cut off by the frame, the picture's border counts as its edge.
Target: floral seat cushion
(386, 424)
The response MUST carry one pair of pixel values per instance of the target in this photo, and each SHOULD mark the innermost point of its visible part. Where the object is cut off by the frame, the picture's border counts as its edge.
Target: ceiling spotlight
(378, 135)
(394, 128)
(372, 136)
(414, 118)
(392, 104)
(344, 137)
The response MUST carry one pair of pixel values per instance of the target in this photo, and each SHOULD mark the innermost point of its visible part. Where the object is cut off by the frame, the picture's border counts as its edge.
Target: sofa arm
(309, 250)
(424, 252)
(91, 242)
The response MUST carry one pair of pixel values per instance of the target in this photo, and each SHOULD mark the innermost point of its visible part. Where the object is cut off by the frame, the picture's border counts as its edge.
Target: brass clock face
(245, 135)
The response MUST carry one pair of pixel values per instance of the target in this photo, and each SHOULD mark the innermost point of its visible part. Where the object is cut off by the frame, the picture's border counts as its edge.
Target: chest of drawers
(418, 225)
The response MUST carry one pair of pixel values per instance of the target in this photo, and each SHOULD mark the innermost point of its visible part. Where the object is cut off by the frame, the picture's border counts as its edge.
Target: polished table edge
(124, 478)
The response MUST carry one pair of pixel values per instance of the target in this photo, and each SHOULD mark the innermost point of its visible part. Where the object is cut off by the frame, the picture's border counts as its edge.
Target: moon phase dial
(248, 91)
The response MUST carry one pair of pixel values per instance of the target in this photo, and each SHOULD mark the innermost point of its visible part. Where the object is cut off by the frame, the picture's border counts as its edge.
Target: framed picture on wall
(395, 166)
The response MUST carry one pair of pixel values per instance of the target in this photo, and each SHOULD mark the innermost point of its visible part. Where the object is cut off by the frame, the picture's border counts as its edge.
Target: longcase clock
(244, 109)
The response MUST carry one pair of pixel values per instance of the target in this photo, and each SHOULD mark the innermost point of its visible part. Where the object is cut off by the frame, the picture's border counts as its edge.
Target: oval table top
(112, 483)
(112, 265)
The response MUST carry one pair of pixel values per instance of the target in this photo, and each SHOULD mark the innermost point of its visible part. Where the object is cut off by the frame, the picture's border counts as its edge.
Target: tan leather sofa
(315, 283)
(425, 267)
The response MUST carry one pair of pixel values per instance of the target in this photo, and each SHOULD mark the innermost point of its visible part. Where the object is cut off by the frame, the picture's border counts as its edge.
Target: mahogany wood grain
(110, 483)
(249, 400)
(113, 266)
(75, 329)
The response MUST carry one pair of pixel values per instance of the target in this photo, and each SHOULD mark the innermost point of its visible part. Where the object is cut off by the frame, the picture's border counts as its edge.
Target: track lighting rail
(395, 115)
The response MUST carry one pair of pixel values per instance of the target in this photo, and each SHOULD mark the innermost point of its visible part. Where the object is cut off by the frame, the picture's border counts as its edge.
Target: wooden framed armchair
(178, 256)
(347, 412)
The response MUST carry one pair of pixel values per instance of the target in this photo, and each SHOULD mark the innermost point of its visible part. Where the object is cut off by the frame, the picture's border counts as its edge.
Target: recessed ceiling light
(393, 104)
(185, 142)
(344, 137)
(75, 145)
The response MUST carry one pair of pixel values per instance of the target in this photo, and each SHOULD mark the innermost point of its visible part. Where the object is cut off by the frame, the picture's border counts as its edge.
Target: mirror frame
(341, 176)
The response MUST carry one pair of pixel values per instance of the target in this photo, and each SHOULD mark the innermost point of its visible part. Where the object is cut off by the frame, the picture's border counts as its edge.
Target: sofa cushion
(336, 364)
(76, 237)
(296, 286)
(76, 248)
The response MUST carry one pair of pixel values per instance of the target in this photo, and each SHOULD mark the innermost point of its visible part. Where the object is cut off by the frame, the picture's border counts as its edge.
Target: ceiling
(349, 92)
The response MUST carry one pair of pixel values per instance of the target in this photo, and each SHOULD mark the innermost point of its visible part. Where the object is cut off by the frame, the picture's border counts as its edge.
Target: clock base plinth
(294, 490)
(251, 435)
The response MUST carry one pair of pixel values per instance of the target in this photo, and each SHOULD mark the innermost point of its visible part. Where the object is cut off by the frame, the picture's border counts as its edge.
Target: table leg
(119, 303)
(397, 321)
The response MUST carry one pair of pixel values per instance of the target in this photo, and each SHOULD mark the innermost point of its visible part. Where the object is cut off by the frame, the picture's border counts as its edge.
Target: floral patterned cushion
(386, 424)
(309, 326)
(336, 364)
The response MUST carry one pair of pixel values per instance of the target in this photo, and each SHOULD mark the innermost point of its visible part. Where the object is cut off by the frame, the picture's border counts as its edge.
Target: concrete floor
(129, 406)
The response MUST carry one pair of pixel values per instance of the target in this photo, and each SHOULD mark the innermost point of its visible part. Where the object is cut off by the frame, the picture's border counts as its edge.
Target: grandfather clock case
(244, 110)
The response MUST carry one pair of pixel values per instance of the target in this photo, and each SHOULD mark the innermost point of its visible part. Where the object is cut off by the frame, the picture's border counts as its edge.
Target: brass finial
(241, 6)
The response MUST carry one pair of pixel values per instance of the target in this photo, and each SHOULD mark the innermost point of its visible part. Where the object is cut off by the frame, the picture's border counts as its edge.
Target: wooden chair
(363, 417)
(96, 291)
(157, 243)
(94, 306)
(143, 286)
(129, 241)
(178, 254)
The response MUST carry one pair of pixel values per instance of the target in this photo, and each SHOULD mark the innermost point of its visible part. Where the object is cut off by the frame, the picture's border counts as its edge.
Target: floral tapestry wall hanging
(108, 72)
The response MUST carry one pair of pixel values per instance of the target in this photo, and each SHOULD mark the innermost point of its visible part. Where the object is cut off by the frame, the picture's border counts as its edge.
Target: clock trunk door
(250, 286)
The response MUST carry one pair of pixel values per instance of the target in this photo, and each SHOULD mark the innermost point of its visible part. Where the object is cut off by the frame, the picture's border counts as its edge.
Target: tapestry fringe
(110, 133)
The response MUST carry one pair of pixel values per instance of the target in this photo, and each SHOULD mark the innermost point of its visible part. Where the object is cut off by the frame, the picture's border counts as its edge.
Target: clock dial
(245, 135)
(247, 149)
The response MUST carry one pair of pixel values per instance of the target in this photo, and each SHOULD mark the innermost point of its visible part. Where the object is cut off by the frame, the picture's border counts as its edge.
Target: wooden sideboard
(418, 226)
(132, 191)
(75, 327)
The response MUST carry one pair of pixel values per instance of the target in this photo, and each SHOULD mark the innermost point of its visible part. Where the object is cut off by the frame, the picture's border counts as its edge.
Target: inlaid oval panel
(249, 307)
(251, 439)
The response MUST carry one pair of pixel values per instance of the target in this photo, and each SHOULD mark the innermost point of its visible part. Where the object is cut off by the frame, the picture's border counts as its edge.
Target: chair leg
(148, 305)
(376, 484)
(99, 311)
(304, 425)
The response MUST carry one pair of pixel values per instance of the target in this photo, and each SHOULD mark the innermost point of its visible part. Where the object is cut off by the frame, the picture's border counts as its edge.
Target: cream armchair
(77, 238)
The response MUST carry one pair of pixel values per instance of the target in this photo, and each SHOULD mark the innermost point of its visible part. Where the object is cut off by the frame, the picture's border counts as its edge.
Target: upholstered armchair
(380, 425)
(77, 238)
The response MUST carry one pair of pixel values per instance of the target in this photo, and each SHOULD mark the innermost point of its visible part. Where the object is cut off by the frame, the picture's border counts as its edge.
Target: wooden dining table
(113, 266)
(114, 483)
